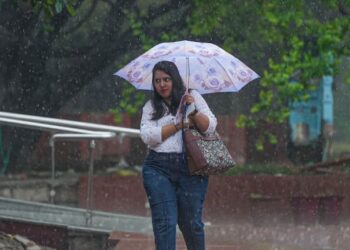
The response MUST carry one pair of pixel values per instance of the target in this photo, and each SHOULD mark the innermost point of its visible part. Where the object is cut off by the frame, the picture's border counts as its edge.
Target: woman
(174, 195)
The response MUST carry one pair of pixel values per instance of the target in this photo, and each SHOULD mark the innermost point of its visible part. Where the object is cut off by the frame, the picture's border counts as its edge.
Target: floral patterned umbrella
(203, 66)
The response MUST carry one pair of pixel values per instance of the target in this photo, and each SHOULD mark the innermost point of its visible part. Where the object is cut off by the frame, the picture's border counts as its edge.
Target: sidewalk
(248, 237)
(127, 241)
(284, 236)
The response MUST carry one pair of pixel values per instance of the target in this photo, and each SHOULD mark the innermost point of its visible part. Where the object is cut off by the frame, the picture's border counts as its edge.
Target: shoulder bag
(206, 154)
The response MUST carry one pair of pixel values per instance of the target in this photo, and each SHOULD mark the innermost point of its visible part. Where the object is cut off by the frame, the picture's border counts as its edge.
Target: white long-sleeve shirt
(151, 130)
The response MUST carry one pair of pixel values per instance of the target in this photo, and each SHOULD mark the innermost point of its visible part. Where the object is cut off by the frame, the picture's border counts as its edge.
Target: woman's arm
(203, 118)
(201, 121)
(150, 133)
(169, 130)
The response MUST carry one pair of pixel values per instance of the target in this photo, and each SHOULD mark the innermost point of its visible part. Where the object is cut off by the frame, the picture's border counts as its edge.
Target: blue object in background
(327, 99)
(307, 118)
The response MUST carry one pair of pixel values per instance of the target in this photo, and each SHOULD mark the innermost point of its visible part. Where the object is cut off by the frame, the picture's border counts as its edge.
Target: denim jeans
(175, 198)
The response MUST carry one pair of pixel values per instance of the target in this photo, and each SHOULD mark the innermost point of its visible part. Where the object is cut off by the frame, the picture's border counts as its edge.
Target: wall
(256, 199)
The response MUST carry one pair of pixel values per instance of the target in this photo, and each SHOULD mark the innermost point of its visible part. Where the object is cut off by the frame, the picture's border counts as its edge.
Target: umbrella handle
(188, 109)
(188, 73)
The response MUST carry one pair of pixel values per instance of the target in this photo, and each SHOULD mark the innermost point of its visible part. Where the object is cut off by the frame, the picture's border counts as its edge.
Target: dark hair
(178, 89)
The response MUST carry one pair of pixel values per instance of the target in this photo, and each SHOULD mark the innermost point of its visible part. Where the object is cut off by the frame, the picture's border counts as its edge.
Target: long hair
(178, 90)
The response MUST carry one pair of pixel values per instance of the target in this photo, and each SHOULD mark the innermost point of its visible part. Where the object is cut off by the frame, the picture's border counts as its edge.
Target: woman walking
(175, 196)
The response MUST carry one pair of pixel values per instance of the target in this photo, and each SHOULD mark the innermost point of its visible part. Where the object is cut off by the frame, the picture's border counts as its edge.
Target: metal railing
(72, 124)
(63, 129)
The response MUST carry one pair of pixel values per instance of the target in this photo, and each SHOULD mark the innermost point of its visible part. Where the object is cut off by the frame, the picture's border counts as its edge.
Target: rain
(71, 155)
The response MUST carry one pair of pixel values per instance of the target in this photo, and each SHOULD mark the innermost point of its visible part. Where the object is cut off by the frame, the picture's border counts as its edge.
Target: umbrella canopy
(202, 66)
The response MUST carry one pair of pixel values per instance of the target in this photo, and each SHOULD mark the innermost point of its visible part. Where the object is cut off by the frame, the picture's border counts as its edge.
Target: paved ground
(146, 242)
(248, 237)
(335, 237)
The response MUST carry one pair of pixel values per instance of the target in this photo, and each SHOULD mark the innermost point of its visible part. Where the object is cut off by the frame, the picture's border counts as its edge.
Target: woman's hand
(191, 107)
(194, 117)
(188, 99)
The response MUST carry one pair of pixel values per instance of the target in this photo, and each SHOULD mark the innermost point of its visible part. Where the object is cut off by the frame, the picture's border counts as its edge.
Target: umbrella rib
(226, 72)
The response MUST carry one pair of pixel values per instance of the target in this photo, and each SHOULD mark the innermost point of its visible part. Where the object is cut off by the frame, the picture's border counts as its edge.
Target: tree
(290, 42)
(51, 49)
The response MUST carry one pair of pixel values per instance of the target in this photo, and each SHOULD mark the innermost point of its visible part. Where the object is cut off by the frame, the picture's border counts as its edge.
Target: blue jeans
(175, 197)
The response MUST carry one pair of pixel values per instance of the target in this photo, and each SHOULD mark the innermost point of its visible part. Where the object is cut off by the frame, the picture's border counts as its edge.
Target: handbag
(206, 154)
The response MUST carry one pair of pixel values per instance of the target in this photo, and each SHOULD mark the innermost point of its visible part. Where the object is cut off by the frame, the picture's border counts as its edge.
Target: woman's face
(163, 84)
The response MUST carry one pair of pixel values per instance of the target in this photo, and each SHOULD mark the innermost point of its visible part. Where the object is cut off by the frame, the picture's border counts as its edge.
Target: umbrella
(202, 66)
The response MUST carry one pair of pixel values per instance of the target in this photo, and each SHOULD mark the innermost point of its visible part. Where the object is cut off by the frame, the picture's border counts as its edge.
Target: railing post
(52, 191)
(89, 197)
(122, 162)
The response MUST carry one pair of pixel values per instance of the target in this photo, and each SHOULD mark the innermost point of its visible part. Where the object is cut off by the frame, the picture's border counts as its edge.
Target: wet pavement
(249, 237)
(303, 237)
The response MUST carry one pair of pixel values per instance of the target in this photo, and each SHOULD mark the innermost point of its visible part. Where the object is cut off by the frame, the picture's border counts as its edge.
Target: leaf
(58, 6)
(272, 138)
(70, 10)
(348, 79)
(259, 145)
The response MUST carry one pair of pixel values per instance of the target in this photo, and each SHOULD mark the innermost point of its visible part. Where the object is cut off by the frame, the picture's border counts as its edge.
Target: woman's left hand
(191, 107)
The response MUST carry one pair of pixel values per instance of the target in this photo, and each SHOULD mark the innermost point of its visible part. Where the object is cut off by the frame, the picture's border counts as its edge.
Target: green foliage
(299, 40)
(348, 77)
(136, 26)
(54, 7)
(208, 16)
(265, 137)
(130, 103)
(49, 8)
(261, 169)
